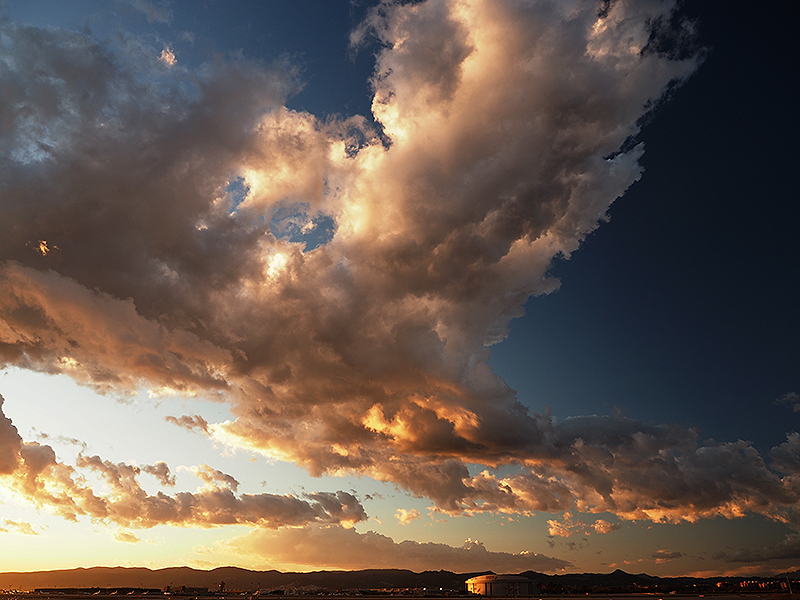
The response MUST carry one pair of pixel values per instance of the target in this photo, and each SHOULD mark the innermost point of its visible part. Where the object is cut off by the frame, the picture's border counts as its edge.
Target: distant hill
(236, 578)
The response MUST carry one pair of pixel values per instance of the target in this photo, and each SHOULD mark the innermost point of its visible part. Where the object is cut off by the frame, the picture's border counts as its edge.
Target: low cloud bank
(311, 546)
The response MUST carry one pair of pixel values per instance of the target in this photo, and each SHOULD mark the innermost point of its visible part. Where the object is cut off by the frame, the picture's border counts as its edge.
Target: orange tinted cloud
(33, 471)
(17, 526)
(189, 422)
(311, 546)
(179, 201)
(404, 516)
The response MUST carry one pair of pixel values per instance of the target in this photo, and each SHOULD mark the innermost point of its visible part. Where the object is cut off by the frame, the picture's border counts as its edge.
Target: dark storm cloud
(789, 548)
(662, 556)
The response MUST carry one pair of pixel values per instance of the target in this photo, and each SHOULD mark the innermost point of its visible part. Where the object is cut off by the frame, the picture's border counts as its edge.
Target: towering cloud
(340, 283)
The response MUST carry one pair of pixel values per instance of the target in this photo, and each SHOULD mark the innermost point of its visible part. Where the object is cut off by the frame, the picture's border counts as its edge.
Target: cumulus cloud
(603, 526)
(567, 526)
(10, 443)
(311, 546)
(33, 471)
(168, 57)
(126, 536)
(340, 284)
(189, 422)
(161, 472)
(563, 528)
(213, 477)
(404, 516)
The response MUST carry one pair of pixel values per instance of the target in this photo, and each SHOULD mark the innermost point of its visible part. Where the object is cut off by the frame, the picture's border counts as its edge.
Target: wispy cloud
(22, 527)
(155, 12)
(791, 400)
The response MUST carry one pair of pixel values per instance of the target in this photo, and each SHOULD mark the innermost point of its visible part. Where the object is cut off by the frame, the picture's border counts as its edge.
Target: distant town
(232, 582)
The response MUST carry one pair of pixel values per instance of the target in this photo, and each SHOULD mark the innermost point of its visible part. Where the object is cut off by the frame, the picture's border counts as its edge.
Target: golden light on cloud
(404, 516)
(68, 362)
(43, 248)
(168, 57)
(164, 391)
(276, 264)
(339, 283)
(369, 353)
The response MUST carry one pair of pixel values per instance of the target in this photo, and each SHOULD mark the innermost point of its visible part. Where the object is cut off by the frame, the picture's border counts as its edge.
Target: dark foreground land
(34, 595)
(232, 583)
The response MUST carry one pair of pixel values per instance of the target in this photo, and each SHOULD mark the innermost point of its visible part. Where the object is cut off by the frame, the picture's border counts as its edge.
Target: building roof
(493, 577)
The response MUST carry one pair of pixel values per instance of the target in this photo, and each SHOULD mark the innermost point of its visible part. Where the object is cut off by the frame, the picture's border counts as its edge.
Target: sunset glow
(252, 317)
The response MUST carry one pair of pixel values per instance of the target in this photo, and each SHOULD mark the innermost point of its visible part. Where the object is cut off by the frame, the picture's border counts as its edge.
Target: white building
(500, 585)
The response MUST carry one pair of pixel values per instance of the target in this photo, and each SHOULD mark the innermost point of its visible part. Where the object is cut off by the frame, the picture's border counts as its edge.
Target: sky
(448, 284)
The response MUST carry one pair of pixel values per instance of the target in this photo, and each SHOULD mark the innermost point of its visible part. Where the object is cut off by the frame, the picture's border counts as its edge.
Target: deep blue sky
(312, 33)
(336, 79)
(685, 304)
